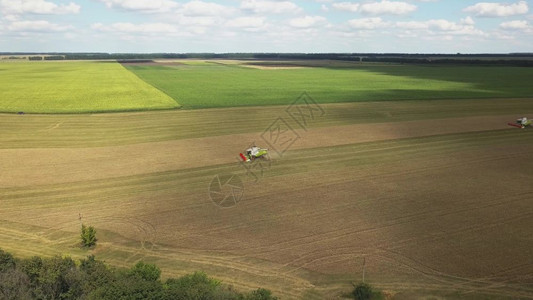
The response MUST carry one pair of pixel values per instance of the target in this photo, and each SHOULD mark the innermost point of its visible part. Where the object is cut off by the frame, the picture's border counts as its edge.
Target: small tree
(88, 236)
(362, 291)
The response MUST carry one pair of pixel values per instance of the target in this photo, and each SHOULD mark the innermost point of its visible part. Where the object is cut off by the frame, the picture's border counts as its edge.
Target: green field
(78, 87)
(232, 84)
(75, 87)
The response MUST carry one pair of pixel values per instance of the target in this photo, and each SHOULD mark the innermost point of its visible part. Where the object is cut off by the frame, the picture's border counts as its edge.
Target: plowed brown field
(434, 207)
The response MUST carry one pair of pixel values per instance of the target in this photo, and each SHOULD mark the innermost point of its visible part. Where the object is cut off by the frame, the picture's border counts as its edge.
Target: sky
(305, 26)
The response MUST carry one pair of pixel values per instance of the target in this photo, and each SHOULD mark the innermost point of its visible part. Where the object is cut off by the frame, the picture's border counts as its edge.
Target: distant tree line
(54, 57)
(14, 57)
(513, 59)
(453, 61)
(63, 278)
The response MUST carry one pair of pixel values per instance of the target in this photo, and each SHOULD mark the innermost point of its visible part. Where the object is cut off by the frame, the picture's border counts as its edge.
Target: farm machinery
(254, 153)
(521, 123)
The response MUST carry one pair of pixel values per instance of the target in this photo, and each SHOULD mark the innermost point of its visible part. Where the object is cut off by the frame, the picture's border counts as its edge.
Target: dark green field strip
(204, 86)
(47, 131)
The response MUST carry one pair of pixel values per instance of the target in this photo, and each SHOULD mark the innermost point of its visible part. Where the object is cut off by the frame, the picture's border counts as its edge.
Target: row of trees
(49, 57)
(516, 59)
(63, 278)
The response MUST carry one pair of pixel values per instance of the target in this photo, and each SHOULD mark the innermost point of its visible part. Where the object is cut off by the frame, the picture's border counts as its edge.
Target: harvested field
(114, 161)
(436, 199)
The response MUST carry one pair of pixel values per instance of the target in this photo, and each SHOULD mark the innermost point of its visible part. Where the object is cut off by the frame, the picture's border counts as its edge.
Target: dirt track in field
(55, 165)
(273, 67)
(152, 63)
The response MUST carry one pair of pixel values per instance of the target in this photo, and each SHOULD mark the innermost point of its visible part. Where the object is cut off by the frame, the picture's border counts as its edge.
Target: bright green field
(75, 87)
(227, 85)
(80, 87)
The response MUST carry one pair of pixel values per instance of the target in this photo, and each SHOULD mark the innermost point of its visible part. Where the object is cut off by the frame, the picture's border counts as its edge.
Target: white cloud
(412, 25)
(387, 7)
(144, 28)
(246, 22)
(367, 23)
(203, 21)
(441, 26)
(515, 25)
(346, 6)
(491, 9)
(148, 6)
(36, 26)
(308, 21)
(200, 8)
(276, 7)
(467, 21)
(444, 25)
(383, 7)
(17, 7)
(11, 18)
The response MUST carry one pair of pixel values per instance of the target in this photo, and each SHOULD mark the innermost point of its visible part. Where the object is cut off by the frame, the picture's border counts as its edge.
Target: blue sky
(311, 26)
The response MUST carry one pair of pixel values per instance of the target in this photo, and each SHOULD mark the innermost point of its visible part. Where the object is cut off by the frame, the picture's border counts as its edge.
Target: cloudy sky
(408, 26)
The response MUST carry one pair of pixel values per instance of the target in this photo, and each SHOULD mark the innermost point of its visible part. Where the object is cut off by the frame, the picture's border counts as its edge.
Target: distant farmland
(75, 87)
(204, 84)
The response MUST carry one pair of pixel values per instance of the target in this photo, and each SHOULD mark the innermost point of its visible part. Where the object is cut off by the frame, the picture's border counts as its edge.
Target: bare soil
(440, 205)
(55, 165)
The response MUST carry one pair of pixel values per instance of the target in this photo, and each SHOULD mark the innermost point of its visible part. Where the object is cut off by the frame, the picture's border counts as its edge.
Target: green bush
(261, 294)
(146, 272)
(362, 291)
(197, 286)
(88, 236)
(6, 261)
(61, 278)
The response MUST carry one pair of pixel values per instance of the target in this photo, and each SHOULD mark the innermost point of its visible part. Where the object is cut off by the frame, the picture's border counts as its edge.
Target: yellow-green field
(75, 87)
(433, 195)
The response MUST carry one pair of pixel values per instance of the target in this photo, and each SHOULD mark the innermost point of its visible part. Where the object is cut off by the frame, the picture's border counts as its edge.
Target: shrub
(146, 272)
(88, 236)
(362, 291)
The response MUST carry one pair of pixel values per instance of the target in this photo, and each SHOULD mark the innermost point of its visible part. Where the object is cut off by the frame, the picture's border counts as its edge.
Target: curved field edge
(76, 87)
(218, 84)
(407, 237)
